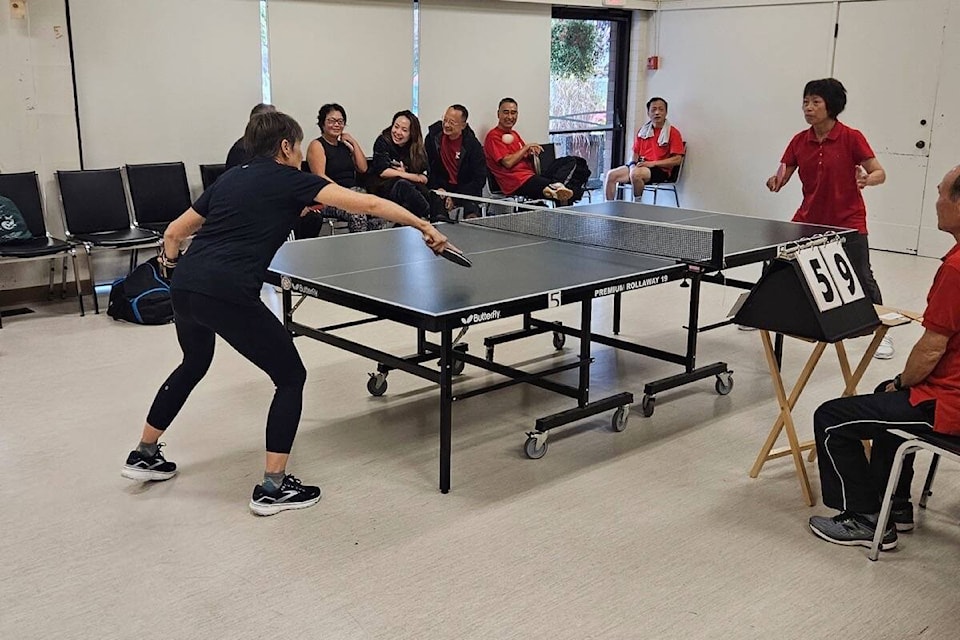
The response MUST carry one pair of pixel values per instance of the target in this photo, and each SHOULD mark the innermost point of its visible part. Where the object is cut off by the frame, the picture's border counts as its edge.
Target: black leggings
(258, 336)
(858, 250)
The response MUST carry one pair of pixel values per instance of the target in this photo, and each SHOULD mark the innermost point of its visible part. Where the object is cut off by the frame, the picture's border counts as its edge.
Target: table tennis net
(693, 245)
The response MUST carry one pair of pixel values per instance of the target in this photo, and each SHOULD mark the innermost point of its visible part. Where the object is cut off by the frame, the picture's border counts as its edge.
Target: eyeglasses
(335, 121)
(452, 123)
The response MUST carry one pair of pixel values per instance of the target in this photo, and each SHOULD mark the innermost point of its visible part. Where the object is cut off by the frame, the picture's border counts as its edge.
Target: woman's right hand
(773, 183)
(434, 239)
(417, 177)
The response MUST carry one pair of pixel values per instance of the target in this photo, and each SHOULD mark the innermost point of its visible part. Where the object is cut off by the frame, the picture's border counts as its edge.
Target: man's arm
(672, 161)
(923, 358)
(510, 161)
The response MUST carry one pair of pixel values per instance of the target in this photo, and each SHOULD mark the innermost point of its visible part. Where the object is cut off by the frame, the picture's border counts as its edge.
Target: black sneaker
(852, 529)
(901, 515)
(292, 494)
(144, 468)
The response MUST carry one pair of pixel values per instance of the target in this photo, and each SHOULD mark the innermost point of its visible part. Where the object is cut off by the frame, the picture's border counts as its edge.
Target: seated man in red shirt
(510, 160)
(925, 396)
(657, 151)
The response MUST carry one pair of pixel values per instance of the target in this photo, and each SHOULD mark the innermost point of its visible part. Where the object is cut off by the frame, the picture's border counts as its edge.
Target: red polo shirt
(450, 156)
(495, 150)
(943, 317)
(651, 149)
(828, 171)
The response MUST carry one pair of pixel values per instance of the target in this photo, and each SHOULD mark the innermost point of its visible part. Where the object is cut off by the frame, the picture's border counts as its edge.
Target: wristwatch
(896, 383)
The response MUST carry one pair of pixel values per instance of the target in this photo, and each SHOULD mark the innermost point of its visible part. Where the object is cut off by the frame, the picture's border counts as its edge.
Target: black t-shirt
(340, 167)
(237, 155)
(248, 214)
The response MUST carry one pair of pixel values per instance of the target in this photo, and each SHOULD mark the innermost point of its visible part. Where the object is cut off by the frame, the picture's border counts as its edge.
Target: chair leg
(676, 196)
(50, 285)
(76, 280)
(63, 280)
(887, 502)
(928, 483)
(93, 280)
(134, 254)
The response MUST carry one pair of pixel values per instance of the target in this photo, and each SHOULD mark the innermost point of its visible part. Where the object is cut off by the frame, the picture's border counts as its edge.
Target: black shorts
(659, 174)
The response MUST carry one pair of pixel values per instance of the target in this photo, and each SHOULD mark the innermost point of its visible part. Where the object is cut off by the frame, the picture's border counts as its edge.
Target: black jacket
(473, 166)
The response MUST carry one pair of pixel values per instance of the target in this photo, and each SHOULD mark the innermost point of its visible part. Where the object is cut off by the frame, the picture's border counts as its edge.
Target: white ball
(507, 138)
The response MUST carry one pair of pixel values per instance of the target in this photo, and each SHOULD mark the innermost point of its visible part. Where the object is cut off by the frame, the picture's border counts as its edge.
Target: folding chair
(24, 190)
(95, 214)
(159, 193)
(210, 172)
(656, 187)
(940, 445)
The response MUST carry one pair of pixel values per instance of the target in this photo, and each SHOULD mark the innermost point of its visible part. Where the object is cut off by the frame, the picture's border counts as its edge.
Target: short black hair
(462, 109)
(267, 131)
(657, 99)
(262, 108)
(505, 100)
(832, 91)
(326, 109)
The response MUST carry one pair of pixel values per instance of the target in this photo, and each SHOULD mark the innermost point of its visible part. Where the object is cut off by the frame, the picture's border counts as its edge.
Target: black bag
(13, 228)
(571, 171)
(142, 297)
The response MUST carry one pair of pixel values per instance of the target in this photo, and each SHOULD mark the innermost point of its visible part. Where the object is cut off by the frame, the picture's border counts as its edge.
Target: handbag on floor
(142, 296)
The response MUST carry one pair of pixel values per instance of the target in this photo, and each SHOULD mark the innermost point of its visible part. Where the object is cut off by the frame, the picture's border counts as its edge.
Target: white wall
(37, 126)
(476, 53)
(357, 54)
(734, 79)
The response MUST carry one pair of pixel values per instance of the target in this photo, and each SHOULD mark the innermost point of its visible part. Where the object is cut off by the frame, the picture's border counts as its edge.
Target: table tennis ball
(507, 138)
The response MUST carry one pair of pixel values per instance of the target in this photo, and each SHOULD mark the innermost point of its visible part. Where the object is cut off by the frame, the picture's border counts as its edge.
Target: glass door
(589, 52)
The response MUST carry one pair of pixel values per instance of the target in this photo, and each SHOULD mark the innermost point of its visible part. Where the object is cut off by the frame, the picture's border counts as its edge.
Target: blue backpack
(142, 297)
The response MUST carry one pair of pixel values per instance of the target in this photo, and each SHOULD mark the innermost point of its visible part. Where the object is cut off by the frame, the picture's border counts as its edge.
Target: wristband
(897, 384)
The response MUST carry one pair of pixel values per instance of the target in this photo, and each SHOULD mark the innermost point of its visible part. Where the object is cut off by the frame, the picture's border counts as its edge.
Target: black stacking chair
(95, 215)
(24, 190)
(159, 193)
(210, 172)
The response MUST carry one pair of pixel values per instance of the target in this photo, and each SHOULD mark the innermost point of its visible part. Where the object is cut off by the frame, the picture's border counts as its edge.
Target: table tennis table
(523, 263)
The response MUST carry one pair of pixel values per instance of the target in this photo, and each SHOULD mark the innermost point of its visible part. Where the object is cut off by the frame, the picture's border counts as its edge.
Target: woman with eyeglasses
(338, 156)
(400, 160)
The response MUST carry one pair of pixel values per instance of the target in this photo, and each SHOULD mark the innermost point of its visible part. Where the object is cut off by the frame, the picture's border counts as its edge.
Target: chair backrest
(210, 172)
(93, 201)
(24, 190)
(159, 192)
(493, 184)
(675, 178)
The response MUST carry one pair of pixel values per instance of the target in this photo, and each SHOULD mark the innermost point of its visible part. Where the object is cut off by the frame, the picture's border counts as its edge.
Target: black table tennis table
(390, 275)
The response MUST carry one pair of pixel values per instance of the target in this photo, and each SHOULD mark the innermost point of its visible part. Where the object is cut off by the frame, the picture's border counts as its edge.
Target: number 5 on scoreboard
(817, 275)
(838, 262)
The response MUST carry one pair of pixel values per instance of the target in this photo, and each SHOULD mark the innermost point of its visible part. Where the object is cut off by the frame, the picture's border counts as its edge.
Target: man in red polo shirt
(510, 159)
(835, 163)
(925, 396)
(657, 150)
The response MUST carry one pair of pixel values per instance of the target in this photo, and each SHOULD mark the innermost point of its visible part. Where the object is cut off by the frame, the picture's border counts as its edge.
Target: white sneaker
(885, 350)
(744, 327)
(558, 191)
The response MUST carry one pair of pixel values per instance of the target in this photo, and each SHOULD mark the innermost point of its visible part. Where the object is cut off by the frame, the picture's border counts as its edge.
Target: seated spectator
(238, 154)
(338, 156)
(400, 161)
(924, 397)
(456, 162)
(510, 160)
(657, 151)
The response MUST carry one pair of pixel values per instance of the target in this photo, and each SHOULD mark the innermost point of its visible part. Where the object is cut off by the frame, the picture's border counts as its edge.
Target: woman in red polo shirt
(835, 163)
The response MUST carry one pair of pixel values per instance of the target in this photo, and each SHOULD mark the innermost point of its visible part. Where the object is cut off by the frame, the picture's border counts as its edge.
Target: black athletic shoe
(852, 529)
(901, 515)
(144, 468)
(292, 494)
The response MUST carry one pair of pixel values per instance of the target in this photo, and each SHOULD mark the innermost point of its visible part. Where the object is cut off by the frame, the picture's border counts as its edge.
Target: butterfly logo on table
(285, 283)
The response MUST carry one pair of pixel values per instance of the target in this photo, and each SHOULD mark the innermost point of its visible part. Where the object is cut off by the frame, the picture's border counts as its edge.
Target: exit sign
(614, 3)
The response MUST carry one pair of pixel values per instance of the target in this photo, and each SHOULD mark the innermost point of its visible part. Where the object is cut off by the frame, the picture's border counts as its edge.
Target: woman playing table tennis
(835, 162)
(240, 222)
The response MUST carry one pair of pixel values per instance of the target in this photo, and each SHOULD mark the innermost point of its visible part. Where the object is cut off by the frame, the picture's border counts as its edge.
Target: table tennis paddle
(456, 256)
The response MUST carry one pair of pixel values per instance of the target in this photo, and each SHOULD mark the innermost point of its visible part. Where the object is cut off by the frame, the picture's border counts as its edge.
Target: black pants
(533, 187)
(858, 250)
(409, 196)
(258, 336)
(848, 481)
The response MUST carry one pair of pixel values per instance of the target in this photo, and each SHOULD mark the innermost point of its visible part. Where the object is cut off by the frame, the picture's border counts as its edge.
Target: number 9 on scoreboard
(840, 267)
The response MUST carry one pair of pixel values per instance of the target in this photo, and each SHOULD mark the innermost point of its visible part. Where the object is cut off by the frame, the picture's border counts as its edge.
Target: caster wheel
(559, 339)
(533, 452)
(458, 366)
(377, 384)
(647, 405)
(620, 416)
(724, 384)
